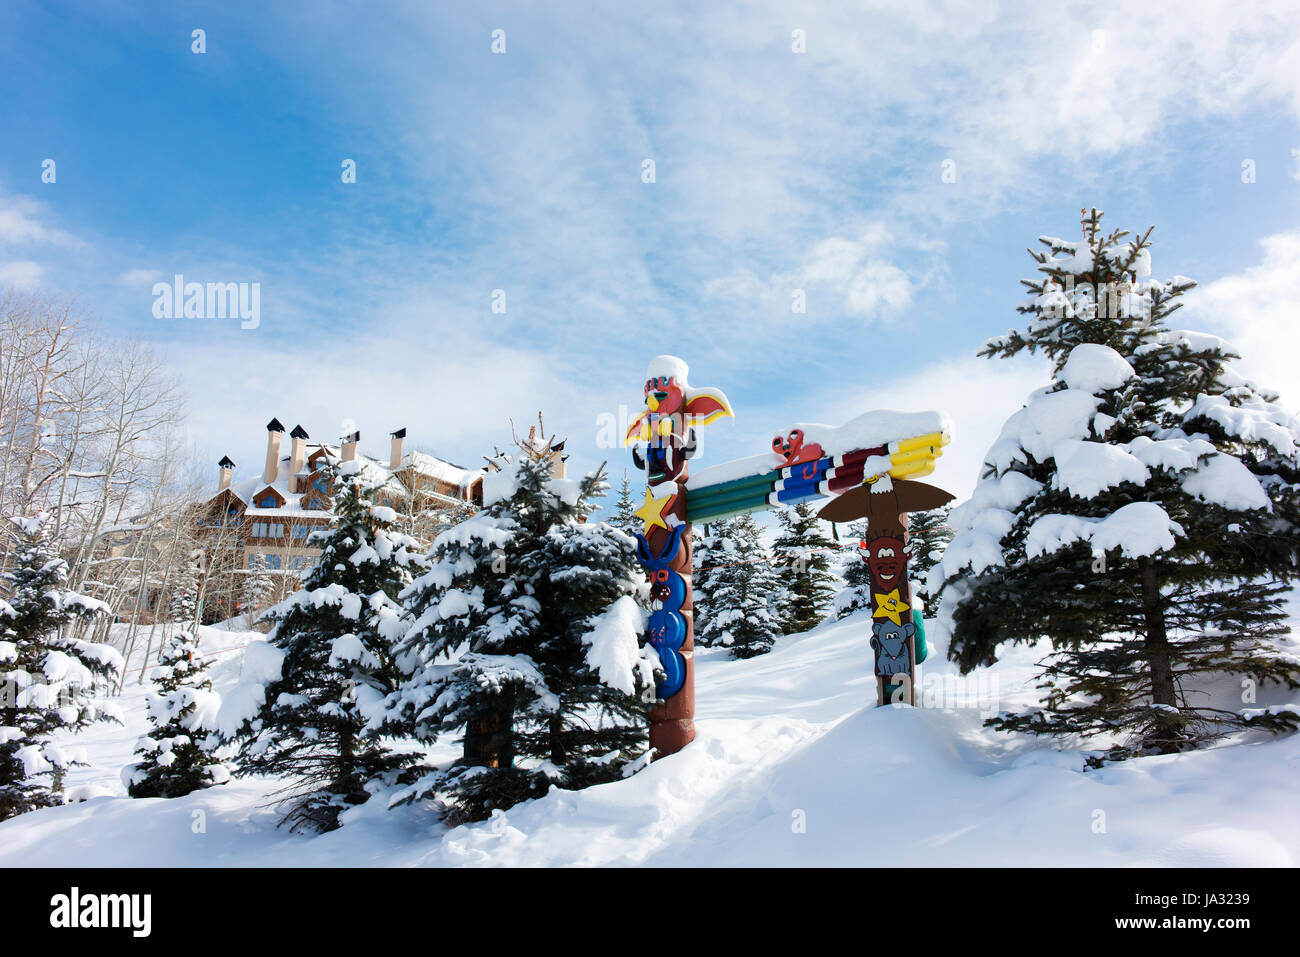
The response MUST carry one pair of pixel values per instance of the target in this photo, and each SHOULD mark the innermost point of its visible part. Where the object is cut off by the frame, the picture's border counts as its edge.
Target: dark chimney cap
(559, 447)
(225, 462)
(299, 433)
(274, 426)
(399, 434)
(354, 437)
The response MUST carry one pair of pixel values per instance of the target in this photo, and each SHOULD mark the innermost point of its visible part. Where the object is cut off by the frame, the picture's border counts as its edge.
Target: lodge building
(276, 512)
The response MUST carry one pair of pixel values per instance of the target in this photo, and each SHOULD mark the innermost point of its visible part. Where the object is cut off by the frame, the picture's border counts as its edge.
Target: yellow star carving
(652, 512)
(890, 606)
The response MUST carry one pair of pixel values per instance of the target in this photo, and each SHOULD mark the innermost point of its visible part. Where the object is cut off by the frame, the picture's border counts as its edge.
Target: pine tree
(712, 551)
(183, 608)
(803, 553)
(856, 593)
(525, 632)
(1142, 511)
(49, 678)
(258, 586)
(928, 534)
(733, 587)
(336, 634)
(624, 517)
(176, 757)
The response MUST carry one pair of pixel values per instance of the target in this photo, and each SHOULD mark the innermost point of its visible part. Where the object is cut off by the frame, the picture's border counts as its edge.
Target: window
(315, 504)
(273, 561)
(268, 529)
(268, 501)
(297, 561)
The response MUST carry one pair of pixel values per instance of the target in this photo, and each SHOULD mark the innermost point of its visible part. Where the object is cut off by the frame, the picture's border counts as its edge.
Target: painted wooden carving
(663, 439)
(868, 467)
(896, 627)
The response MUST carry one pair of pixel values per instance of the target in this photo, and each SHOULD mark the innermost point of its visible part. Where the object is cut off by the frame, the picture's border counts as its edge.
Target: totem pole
(663, 440)
(897, 630)
(868, 467)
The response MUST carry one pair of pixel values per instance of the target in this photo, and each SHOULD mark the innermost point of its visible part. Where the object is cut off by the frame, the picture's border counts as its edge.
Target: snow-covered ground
(792, 766)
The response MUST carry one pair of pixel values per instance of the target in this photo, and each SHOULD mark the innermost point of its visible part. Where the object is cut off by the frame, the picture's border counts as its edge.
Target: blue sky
(522, 171)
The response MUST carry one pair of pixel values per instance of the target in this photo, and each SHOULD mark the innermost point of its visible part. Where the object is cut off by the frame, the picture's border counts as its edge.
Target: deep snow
(791, 766)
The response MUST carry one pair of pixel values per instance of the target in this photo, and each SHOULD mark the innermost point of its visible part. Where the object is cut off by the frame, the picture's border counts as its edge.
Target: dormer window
(268, 501)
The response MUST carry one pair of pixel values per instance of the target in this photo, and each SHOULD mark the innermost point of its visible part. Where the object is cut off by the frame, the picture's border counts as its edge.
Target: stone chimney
(349, 451)
(559, 460)
(226, 467)
(274, 432)
(395, 455)
(297, 455)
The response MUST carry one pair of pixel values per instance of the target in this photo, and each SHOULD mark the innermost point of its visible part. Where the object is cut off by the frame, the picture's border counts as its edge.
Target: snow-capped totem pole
(664, 437)
(868, 465)
(897, 630)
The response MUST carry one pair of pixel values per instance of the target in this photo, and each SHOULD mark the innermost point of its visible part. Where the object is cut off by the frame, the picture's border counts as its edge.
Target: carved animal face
(792, 450)
(886, 558)
(664, 395)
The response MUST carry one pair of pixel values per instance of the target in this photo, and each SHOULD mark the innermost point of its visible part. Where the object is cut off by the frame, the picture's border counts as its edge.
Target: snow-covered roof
(374, 472)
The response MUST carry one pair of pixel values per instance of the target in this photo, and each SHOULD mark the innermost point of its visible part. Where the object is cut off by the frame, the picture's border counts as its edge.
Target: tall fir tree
(713, 550)
(1142, 512)
(803, 556)
(624, 517)
(258, 586)
(177, 756)
(50, 679)
(750, 625)
(525, 632)
(183, 606)
(928, 534)
(336, 635)
(856, 593)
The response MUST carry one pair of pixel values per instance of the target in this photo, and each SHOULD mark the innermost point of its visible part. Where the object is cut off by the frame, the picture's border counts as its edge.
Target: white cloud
(24, 221)
(23, 275)
(1258, 311)
(140, 277)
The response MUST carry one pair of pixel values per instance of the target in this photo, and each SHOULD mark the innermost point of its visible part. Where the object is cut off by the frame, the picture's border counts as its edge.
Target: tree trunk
(1157, 641)
(489, 737)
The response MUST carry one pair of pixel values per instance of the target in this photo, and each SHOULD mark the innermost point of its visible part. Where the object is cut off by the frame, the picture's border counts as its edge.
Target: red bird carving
(792, 451)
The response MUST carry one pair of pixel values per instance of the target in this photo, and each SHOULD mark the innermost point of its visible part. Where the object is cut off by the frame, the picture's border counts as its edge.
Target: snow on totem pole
(663, 440)
(896, 626)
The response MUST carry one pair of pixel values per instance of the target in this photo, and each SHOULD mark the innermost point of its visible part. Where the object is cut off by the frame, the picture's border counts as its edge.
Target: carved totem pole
(663, 440)
(868, 467)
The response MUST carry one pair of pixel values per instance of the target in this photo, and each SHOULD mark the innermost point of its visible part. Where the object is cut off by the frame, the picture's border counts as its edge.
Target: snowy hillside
(791, 766)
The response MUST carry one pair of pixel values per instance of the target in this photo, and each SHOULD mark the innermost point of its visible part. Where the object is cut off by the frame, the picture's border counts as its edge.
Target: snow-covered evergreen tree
(928, 534)
(335, 636)
(713, 550)
(803, 555)
(183, 607)
(733, 607)
(176, 757)
(1141, 511)
(856, 593)
(524, 631)
(258, 585)
(50, 679)
(624, 517)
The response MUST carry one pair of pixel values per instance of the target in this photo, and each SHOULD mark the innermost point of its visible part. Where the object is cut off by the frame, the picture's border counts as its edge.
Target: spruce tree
(183, 607)
(336, 634)
(176, 757)
(803, 556)
(1141, 512)
(745, 608)
(258, 586)
(624, 517)
(524, 632)
(856, 593)
(49, 677)
(928, 534)
(713, 552)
